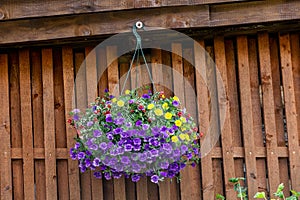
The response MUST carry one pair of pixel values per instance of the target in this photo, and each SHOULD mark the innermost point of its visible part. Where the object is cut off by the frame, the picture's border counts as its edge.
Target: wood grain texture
(226, 133)
(5, 161)
(68, 84)
(290, 108)
(26, 120)
(246, 113)
(15, 126)
(49, 127)
(269, 109)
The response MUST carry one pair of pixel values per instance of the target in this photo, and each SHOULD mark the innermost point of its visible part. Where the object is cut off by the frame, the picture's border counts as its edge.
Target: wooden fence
(260, 139)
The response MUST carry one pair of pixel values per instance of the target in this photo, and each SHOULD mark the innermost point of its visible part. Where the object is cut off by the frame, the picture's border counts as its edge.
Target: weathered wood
(226, 133)
(290, 109)
(68, 79)
(203, 120)
(38, 122)
(257, 115)
(49, 127)
(5, 159)
(26, 120)
(15, 126)
(10, 10)
(269, 109)
(246, 113)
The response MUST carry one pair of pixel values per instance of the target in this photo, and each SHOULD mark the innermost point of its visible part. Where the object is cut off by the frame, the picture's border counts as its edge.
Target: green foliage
(219, 196)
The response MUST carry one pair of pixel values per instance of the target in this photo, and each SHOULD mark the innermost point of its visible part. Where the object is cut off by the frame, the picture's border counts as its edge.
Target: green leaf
(295, 193)
(219, 196)
(280, 188)
(260, 195)
(292, 198)
(234, 180)
(279, 194)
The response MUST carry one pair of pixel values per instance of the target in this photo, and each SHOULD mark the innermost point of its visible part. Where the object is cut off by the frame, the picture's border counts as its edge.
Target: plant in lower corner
(134, 136)
(241, 191)
(279, 193)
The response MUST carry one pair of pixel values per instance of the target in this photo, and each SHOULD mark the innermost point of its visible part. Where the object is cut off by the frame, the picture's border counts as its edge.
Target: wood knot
(266, 79)
(83, 31)
(57, 105)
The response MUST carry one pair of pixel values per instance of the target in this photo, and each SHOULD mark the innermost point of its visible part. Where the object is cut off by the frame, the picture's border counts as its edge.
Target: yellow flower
(178, 123)
(163, 96)
(182, 136)
(183, 129)
(114, 100)
(127, 91)
(158, 112)
(187, 137)
(168, 115)
(176, 98)
(120, 103)
(150, 106)
(183, 119)
(174, 139)
(165, 106)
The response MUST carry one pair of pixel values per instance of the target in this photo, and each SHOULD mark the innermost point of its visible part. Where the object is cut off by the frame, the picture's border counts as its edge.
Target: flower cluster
(134, 136)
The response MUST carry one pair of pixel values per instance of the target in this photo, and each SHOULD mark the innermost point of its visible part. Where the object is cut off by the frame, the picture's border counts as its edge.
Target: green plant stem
(240, 191)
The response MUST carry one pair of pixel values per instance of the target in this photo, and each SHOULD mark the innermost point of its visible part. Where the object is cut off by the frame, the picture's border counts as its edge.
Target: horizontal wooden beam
(11, 10)
(178, 17)
(238, 152)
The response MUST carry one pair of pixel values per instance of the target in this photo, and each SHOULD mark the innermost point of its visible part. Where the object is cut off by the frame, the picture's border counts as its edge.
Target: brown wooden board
(290, 109)
(246, 113)
(15, 118)
(26, 120)
(91, 85)
(257, 113)
(269, 110)
(59, 118)
(38, 122)
(226, 133)
(49, 127)
(203, 119)
(5, 160)
(68, 83)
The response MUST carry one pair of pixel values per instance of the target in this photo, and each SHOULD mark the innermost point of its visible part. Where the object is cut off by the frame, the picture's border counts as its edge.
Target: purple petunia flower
(141, 133)
(107, 175)
(108, 118)
(94, 108)
(136, 167)
(96, 162)
(193, 164)
(154, 152)
(134, 156)
(189, 155)
(88, 163)
(167, 148)
(174, 127)
(103, 146)
(80, 155)
(75, 117)
(77, 145)
(135, 178)
(118, 130)
(89, 123)
(175, 103)
(174, 167)
(106, 90)
(131, 101)
(145, 96)
(164, 165)
(88, 153)
(143, 157)
(125, 160)
(82, 169)
(109, 136)
(111, 96)
(155, 130)
(163, 174)
(93, 147)
(138, 123)
(163, 129)
(137, 141)
(145, 126)
(98, 174)
(182, 165)
(119, 121)
(128, 147)
(73, 156)
(183, 149)
(171, 174)
(154, 179)
(128, 124)
(119, 167)
(97, 133)
(76, 111)
(154, 142)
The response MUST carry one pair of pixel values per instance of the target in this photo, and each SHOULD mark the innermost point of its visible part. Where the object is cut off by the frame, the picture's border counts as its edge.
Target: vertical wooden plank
(113, 85)
(232, 93)
(203, 119)
(259, 136)
(214, 120)
(167, 73)
(177, 64)
(269, 110)
(38, 122)
(26, 119)
(101, 64)
(68, 83)
(15, 126)
(49, 127)
(290, 109)
(226, 135)
(130, 186)
(81, 102)
(5, 159)
(247, 115)
(60, 131)
(190, 177)
(91, 77)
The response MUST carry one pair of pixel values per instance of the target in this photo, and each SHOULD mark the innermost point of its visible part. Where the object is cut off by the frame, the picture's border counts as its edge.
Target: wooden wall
(260, 139)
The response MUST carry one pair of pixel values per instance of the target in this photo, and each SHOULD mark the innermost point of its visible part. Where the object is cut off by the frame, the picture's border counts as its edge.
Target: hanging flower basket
(135, 136)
